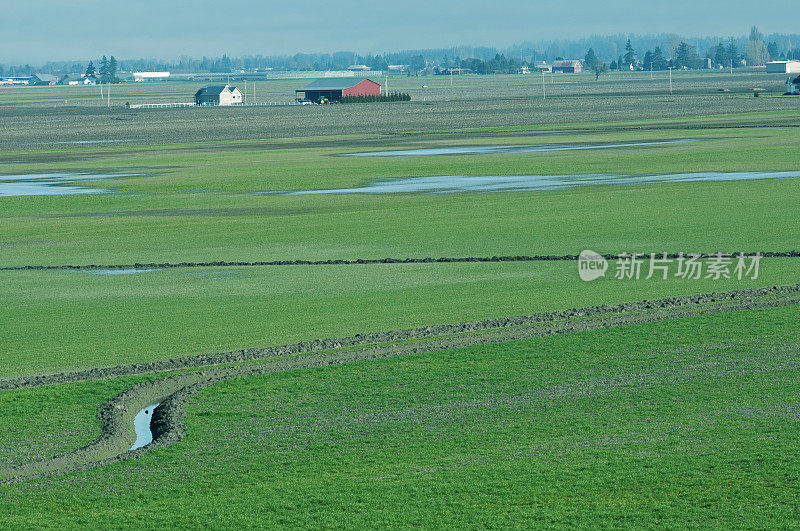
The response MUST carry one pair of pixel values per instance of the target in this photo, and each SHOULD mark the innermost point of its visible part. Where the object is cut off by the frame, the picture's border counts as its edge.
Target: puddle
(141, 424)
(79, 142)
(507, 183)
(520, 148)
(114, 272)
(52, 184)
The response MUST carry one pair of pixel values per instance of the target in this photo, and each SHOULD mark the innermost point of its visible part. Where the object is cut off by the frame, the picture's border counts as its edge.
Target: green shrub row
(392, 96)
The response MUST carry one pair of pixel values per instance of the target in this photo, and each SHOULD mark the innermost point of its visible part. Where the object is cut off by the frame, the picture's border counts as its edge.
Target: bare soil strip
(372, 261)
(116, 416)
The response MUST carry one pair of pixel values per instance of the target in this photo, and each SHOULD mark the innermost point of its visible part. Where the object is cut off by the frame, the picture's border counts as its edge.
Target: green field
(669, 425)
(687, 421)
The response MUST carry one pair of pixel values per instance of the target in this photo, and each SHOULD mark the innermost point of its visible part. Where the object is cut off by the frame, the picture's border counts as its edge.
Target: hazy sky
(39, 30)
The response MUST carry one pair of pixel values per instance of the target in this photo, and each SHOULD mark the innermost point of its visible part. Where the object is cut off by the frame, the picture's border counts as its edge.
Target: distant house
(541, 66)
(567, 67)
(70, 79)
(783, 67)
(358, 68)
(222, 95)
(42, 79)
(455, 71)
(332, 89)
(793, 86)
(17, 80)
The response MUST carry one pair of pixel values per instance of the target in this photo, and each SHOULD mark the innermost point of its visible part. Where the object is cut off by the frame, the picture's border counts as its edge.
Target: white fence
(159, 105)
(174, 105)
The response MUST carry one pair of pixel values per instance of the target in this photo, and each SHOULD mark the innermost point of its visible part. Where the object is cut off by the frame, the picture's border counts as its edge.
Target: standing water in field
(509, 183)
(520, 148)
(141, 424)
(51, 184)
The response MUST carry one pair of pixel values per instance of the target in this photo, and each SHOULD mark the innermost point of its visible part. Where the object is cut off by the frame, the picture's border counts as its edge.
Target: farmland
(671, 413)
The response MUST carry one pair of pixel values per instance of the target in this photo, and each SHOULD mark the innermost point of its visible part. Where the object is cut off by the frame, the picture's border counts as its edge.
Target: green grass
(199, 205)
(44, 422)
(689, 422)
(62, 320)
(622, 427)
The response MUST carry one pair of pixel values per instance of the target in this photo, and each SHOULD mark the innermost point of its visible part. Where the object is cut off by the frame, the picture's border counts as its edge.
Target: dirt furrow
(374, 261)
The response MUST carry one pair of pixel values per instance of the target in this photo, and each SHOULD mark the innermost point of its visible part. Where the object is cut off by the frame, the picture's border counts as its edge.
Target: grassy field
(681, 423)
(221, 192)
(686, 422)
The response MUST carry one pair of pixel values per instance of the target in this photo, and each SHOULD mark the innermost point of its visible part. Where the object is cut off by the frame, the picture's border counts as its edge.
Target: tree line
(756, 52)
(107, 72)
(754, 48)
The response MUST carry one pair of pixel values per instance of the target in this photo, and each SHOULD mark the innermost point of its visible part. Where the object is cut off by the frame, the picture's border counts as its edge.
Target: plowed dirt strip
(373, 261)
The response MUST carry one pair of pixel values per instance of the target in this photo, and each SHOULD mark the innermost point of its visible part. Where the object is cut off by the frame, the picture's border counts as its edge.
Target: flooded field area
(51, 184)
(508, 183)
(519, 148)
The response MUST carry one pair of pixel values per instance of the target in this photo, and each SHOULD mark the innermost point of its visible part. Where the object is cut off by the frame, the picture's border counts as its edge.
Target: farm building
(222, 95)
(149, 76)
(336, 89)
(541, 66)
(568, 67)
(783, 67)
(793, 86)
(16, 80)
(43, 79)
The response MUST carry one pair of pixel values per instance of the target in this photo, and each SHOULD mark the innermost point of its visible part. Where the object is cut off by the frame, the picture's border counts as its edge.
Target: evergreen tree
(686, 56)
(733, 54)
(112, 70)
(590, 58)
(90, 70)
(647, 62)
(103, 69)
(659, 61)
(721, 57)
(772, 51)
(630, 55)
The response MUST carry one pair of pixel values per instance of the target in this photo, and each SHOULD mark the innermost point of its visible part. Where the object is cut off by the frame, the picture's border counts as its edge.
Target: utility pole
(670, 81)
(544, 91)
(101, 90)
(108, 93)
(651, 69)
(244, 98)
(731, 65)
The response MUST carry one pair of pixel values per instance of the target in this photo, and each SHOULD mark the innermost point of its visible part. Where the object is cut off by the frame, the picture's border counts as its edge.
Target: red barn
(334, 89)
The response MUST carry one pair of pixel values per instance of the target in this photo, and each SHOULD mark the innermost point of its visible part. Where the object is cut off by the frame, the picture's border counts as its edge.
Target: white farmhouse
(793, 86)
(218, 95)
